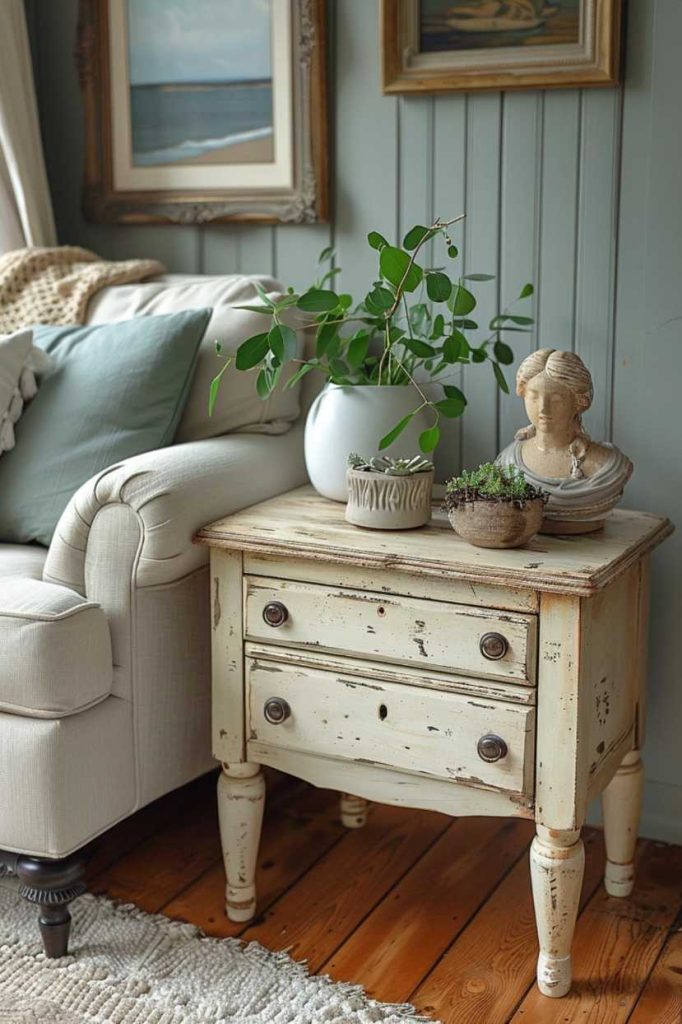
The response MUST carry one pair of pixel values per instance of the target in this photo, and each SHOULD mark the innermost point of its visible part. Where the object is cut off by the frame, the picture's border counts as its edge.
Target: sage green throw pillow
(116, 390)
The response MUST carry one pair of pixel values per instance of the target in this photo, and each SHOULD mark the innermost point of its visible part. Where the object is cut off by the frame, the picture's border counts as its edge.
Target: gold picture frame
(289, 183)
(442, 46)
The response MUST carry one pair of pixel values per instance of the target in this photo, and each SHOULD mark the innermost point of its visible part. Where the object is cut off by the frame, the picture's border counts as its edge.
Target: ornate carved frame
(306, 202)
(595, 60)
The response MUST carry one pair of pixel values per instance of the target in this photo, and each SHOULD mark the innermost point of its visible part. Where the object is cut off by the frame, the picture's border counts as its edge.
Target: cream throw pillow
(20, 360)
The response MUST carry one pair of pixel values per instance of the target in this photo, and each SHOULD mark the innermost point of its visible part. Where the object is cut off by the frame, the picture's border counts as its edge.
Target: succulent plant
(390, 467)
(491, 482)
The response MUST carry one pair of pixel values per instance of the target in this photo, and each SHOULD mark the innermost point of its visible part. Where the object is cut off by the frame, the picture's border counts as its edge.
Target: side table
(411, 668)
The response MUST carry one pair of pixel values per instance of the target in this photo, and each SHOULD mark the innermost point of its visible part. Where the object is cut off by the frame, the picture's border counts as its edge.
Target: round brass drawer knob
(275, 613)
(491, 748)
(276, 710)
(494, 646)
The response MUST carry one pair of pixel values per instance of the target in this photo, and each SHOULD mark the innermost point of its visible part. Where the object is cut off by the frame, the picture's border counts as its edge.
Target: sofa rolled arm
(171, 493)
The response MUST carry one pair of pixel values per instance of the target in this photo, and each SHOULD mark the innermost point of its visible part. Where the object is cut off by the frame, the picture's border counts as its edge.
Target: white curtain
(25, 207)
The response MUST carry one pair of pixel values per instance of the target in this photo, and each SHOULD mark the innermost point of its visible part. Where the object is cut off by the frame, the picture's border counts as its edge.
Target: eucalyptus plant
(410, 328)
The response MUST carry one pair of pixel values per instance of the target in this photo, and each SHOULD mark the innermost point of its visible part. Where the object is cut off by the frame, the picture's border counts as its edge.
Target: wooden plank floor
(415, 906)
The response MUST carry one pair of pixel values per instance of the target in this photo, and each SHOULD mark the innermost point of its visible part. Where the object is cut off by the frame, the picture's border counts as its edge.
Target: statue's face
(551, 406)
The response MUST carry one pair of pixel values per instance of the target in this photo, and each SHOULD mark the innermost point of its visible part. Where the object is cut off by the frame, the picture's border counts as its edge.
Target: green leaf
(263, 295)
(499, 377)
(526, 291)
(438, 287)
(345, 301)
(414, 236)
(503, 353)
(256, 309)
(318, 300)
(338, 368)
(429, 439)
(215, 387)
(453, 252)
(419, 314)
(479, 277)
(263, 386)
(453, 392)
(381, 298)
(455, 347)
(397, 430)
(252, 351)
(395, 334)
(478, 355)
(438, 327)
(325, 335)
(498, 321)
(283, 343)
(326, 254)
(522, 321)
(451, 407)
(461, 301)
(394, 264)
(300, 373)
(465, 325)
(376, 240)
(419, 348)
(332, 272)
(357, 349)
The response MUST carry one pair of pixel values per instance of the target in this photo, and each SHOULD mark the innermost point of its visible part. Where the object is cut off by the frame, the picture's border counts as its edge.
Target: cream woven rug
(128, 967)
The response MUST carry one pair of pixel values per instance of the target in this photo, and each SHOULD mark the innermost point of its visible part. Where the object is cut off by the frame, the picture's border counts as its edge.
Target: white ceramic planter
(354, 418)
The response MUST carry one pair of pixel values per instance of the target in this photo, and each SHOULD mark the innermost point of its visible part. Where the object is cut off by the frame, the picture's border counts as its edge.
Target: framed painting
(445, 45)
(204, 110)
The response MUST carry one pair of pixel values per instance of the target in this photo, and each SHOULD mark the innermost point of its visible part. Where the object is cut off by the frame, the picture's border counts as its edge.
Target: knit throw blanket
(53, 286)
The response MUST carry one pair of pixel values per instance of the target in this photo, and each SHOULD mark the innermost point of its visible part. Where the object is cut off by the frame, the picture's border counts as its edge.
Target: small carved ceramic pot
(497, 524)
(379, 501)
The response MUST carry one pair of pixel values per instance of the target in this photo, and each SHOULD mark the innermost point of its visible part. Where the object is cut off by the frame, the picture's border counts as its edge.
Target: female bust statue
(584, 479)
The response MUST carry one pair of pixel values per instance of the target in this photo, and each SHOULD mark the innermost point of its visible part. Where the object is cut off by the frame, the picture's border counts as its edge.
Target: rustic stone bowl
(497, 524)
(378, 501)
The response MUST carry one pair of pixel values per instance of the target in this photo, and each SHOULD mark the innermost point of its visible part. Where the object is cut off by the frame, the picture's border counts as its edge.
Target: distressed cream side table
(410, 668)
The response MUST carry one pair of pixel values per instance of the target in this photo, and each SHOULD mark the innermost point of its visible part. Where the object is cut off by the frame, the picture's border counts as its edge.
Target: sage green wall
(540, 177)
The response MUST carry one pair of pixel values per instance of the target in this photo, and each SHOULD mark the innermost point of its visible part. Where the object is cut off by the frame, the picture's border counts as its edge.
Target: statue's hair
(565, 368)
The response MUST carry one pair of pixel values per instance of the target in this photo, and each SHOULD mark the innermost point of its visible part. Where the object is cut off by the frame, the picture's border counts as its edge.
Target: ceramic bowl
(497, 524)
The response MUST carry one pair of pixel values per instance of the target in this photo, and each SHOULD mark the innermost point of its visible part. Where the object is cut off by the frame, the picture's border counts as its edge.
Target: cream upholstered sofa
(104, 638)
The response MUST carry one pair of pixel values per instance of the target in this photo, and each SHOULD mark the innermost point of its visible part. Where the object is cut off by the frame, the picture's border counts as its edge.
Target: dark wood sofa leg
(52, 885)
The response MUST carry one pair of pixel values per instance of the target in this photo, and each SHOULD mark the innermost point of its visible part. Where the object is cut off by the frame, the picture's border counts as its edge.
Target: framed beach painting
(204, 110)
(444, 45)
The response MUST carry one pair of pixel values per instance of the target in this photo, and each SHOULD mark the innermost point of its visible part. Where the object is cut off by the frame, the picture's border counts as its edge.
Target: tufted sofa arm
(164, 497)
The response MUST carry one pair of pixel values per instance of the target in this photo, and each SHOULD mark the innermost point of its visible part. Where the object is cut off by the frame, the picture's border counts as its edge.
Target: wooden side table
(410, 668)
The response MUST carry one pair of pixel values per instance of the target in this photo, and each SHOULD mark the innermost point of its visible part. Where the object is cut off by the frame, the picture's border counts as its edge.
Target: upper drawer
(431, 634)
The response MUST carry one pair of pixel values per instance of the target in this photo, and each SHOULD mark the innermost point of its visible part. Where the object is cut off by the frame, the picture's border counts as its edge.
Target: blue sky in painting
(198, 40)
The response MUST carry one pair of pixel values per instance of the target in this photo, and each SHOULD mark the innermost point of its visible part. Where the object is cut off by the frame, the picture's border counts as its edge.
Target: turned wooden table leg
(621, 807)
(353, 810)
(241, 798)
(557, 862)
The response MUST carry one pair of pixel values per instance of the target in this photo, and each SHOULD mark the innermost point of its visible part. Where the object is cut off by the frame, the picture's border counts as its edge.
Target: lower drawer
(430, 732)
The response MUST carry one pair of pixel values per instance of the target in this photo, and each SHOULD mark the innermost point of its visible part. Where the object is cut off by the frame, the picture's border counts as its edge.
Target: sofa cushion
(56, 650)
(238, 407)
(22, 560)
(117, 390)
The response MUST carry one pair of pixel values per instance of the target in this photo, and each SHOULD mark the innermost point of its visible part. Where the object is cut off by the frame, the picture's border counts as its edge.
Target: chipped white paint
(404, 727)
(557, 864)
(392, 628)
(621, 806)
(310, 527)
(388, 692)
(241, 796)
(227, 655)
(353, 811)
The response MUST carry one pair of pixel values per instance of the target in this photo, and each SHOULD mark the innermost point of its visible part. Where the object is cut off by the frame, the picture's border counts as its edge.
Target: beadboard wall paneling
(549, 198)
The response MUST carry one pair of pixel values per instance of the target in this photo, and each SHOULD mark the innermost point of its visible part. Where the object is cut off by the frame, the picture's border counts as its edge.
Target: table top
(304, 525)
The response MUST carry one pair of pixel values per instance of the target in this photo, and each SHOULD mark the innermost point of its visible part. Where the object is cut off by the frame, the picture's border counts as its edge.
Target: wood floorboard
(398, 943)
(413, 907)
